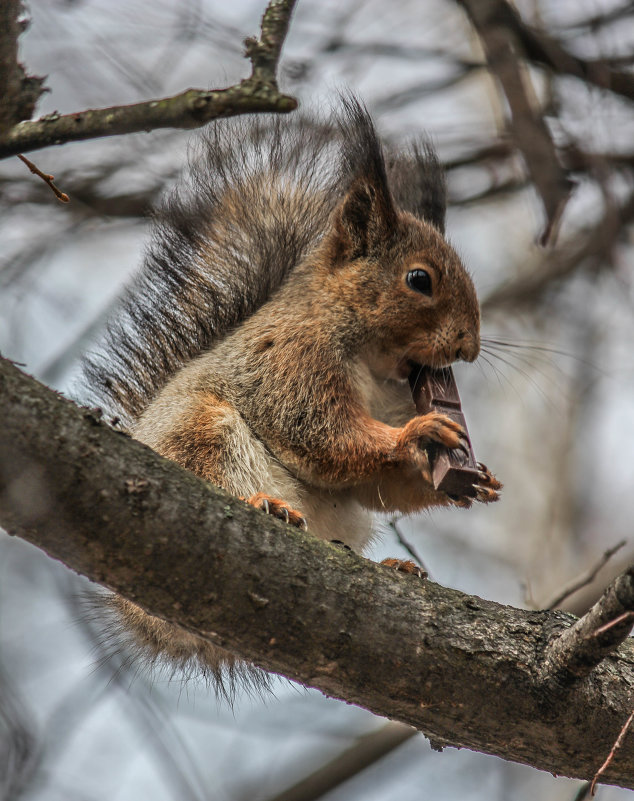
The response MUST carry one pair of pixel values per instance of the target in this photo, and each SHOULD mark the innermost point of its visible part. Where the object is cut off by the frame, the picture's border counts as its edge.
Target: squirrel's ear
(364, 219)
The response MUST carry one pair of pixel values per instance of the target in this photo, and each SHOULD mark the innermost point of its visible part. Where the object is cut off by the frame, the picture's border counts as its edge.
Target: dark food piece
(453, 472)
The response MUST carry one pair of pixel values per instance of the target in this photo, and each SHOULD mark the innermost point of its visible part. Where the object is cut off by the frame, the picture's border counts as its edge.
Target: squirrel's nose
(468, 345)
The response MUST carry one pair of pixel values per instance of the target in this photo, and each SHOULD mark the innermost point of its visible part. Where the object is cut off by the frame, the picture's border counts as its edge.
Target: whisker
(498, 373)
(524, 373)
(529, 359)
(537, 348)
(526, 345)
(534, 361)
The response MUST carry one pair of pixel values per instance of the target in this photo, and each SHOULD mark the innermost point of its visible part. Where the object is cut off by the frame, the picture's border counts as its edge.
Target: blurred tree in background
(530, 108)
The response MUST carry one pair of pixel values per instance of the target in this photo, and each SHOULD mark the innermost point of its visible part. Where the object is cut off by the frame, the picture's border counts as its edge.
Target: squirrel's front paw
(277, 508)
(487, 489)
(432, 428)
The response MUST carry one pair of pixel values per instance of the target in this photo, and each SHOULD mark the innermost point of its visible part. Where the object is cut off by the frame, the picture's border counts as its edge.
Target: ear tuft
(417, 183)
(366, 216)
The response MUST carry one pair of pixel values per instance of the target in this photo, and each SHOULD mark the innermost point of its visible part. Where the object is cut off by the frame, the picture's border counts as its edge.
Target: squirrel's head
(413, 299)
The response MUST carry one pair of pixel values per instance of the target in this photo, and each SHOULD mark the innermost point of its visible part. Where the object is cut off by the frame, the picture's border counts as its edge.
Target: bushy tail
(258, 198)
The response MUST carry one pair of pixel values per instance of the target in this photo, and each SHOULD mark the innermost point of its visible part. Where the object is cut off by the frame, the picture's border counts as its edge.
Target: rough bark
(465, 671)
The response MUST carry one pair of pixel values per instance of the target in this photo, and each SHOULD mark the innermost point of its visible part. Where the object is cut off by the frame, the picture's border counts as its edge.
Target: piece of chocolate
(453, 471)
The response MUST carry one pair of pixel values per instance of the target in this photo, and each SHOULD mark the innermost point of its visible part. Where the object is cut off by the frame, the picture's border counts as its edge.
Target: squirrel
(288, 292)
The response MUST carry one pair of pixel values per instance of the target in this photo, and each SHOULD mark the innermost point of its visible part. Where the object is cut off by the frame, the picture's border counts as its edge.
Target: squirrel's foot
(487, 489)
(405, 566)
(277, 508)
(434, 427)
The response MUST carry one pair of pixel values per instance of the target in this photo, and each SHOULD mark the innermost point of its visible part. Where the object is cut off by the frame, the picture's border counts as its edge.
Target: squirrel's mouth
(413, 367)
(409, 366)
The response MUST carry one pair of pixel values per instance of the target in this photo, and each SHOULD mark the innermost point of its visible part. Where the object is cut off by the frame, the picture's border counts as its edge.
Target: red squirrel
(266, 344)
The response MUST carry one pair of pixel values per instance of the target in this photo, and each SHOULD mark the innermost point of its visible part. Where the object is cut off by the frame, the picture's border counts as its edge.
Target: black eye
(419, 281)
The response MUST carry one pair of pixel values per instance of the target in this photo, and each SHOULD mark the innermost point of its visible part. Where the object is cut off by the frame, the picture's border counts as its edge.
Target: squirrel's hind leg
(211, 438)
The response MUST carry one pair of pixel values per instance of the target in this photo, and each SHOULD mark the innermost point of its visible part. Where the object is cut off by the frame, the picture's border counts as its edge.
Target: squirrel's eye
(419, 281)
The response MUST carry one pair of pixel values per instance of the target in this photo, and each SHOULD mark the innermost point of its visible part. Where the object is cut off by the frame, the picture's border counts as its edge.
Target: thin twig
(615, 748)
(585, 578)
(190, 109)
(543, 49)
(625, 617)
(48, 179)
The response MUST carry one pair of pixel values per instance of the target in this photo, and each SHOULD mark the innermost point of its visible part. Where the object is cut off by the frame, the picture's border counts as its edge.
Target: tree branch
(587, 577)
(590, 250)
(19, 92)
(366, 751)
(580, 648)
(190, 109)
(548, 52)
(528, 128)
(466, 671)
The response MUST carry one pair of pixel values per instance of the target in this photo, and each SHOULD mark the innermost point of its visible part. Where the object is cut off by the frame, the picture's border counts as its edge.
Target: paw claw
(490, 491)
(279, 509)
(434, 428)
(482, 494)
(405, 566)
(463, 502)
(487, 478)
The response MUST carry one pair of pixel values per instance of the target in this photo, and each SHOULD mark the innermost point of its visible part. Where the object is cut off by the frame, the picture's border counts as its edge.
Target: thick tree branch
(190, 109)
(466, 671)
